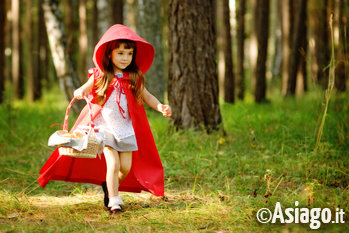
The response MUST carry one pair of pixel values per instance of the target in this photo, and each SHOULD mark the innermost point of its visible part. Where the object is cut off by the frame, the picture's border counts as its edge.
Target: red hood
(145, 51)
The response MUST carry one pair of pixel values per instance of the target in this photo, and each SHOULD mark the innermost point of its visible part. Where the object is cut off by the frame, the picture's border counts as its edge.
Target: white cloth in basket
(78, 143)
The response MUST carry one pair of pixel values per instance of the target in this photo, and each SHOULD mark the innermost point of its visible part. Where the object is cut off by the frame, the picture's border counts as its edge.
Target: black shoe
(105, 190)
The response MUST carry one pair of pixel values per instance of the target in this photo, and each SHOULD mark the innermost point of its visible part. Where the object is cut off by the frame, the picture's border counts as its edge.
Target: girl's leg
(113, 168)
(125, 164)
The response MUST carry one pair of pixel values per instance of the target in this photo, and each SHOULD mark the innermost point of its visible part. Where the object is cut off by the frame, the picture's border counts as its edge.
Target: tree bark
(286, 28)
(95, 30)
(297, 40)
(72, 25)
(68, 78)
(30, 69)
(302, 74)
(43, 58)
(262, 38)
(229, 84)
(17, 77)
(277, 59)
(193, 84)
(2, 49)
(253, 45)
(117, 9)
(148, 24)
(319, 31)
(82, 41)
(240, 77)
(342, 57)
(103, 17)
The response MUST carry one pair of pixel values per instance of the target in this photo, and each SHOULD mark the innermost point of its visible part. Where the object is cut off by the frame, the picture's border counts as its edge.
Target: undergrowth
(213, 183)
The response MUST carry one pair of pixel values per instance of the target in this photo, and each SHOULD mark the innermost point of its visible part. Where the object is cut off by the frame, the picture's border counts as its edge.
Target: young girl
(131, 161)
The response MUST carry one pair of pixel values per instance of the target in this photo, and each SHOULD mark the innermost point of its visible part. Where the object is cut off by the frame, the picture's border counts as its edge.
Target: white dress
(115, 122)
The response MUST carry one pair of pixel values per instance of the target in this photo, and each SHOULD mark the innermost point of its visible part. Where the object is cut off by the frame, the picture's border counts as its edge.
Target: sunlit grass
(213, 182)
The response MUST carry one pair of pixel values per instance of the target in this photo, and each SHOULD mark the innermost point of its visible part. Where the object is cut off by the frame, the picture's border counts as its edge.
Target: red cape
(146, 172)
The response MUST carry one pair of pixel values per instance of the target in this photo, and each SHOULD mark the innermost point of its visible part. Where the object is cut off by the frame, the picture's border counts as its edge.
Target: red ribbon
(120, 91)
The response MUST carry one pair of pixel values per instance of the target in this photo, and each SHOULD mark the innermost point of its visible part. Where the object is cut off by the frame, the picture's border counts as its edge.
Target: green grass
(213, 182)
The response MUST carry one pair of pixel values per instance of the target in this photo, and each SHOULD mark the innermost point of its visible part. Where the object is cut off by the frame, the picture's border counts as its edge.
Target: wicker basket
(92, 145)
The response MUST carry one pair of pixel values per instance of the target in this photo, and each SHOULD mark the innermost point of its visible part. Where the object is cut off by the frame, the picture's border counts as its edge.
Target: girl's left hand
(166, 110)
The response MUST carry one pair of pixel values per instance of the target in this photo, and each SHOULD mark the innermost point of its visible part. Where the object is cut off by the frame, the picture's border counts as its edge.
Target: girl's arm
(84, 89)
(155, 104)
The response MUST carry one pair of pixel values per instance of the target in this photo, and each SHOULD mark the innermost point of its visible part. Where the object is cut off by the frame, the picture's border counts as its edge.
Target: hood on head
(145, 51)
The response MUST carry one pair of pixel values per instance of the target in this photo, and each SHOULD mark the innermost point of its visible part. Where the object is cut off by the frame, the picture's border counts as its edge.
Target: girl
(131, 161)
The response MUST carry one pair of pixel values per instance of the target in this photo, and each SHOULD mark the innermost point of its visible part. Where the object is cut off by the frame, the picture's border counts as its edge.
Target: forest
(260, 111)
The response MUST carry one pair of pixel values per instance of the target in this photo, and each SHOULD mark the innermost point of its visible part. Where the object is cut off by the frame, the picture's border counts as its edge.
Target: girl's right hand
(79, 93)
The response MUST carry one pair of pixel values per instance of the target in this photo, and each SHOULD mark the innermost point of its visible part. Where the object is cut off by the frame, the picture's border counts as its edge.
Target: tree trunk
(82, 42)
(72, 24)
(103, 17)
(240, 82)
(302, 73)
(95, 30)
(148, 23)
(29, 35)
(318, 27)
(220, 51)
(342, 48)
(17, 77)
(68, 78)
(193, 84)
(43, 58)
(297, 39)
(262, 38)
(2, 48)
(229, 86)
(277, 59)
(253, 45)
(117, 9)
(286, 27)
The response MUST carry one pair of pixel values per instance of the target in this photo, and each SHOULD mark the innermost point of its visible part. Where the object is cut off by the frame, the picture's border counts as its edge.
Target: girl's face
(121, 57)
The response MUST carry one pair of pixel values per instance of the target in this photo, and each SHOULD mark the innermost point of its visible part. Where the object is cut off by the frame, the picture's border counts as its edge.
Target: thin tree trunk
(68, 78)
(16, 51)
(82, 42)
(342, 49)
(277, 60)
(286, 27)
(193, 84)
(43, 57)
(229, 86)
(95, 30)
(220, 50)
(148, 23)
(240, 82)
(117, 9)
(34, 84)
(29, 34)
(297, 39)
(8, 42)
(2, 48)
(318, 26)
(253, 45)
(302, 74)
(103, 16)
(72, 24)
(262, 37)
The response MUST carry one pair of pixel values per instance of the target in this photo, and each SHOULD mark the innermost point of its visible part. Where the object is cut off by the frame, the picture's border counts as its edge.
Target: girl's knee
(112, 159)
(113, 167)
(125, 164)
(125, 168)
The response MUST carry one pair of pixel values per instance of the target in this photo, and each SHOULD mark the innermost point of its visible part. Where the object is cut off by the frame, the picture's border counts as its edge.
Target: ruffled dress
(114, 121)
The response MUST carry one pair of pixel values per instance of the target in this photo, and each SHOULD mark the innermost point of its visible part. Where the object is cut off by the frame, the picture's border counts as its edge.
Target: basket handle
(65, 125)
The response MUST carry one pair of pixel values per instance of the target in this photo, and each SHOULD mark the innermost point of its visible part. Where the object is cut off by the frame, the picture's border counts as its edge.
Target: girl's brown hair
(136, 76)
